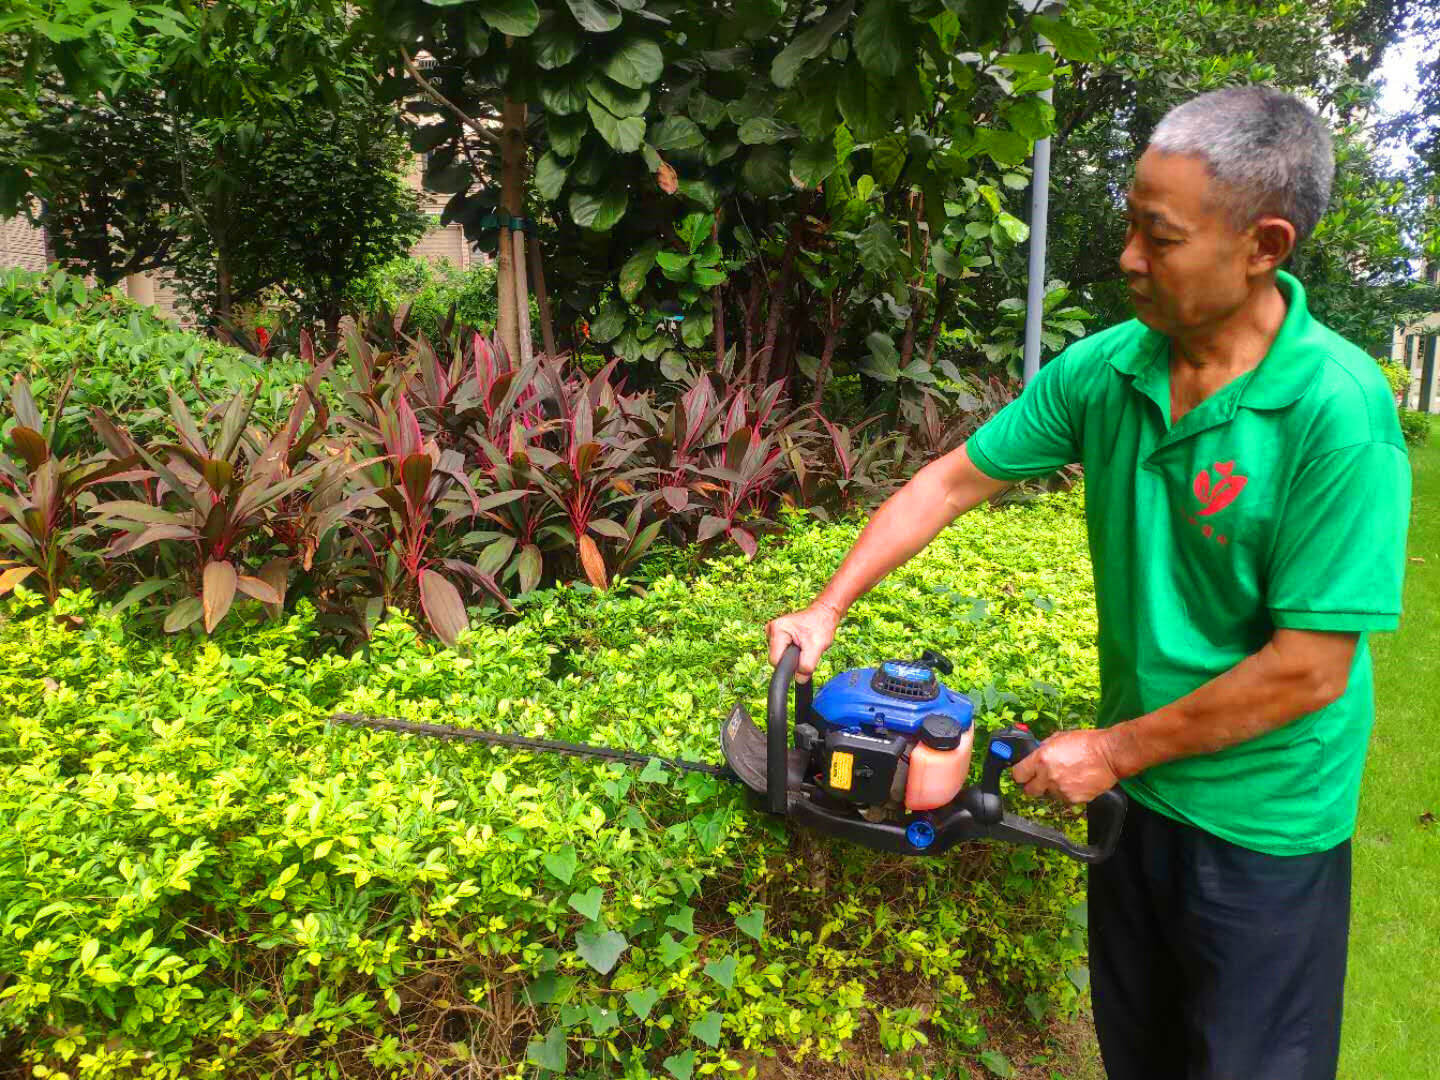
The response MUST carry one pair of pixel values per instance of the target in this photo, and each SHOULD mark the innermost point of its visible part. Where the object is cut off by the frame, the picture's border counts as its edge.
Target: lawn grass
(1392, 1008)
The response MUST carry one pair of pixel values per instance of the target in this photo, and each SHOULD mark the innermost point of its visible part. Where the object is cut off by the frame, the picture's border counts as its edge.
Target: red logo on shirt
(1215, 495)
(1220, 494)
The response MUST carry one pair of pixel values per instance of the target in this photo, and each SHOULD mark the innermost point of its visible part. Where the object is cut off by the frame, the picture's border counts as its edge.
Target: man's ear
(1274, 240)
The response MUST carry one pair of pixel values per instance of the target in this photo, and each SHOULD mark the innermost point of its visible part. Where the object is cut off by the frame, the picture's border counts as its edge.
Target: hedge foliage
(127, 357)
(201, 878)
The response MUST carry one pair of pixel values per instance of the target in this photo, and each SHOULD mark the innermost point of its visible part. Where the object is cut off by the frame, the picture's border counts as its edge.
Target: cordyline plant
(41, 493)
(592, 473)
(857, 467)
(420, 491)
(214, 501)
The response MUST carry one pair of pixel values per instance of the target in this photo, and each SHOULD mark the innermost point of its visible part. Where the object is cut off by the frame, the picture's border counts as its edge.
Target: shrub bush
(201, 879)
(430, 289)
(1416, 426)
(125, 357)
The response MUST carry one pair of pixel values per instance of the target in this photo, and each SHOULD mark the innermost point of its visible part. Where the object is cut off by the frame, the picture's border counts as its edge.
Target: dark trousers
(1210, 961)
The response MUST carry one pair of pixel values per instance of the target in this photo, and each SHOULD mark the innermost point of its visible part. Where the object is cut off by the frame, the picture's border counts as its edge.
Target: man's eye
(1160, 241)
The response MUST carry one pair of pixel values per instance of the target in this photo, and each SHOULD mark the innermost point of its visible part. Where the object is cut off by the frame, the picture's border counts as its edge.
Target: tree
(247, 130)
(109, 178)
(781, 175)
(320, 202)
(1156, 57)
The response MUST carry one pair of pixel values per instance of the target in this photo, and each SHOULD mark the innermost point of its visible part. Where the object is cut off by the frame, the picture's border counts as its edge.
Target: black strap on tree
(525, 742)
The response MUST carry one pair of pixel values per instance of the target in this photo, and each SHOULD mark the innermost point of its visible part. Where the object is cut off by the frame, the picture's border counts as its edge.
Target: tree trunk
(935, 323)
(542, 298)
(834, 324)
(752, 306)
(224, 290)
(907, 343)
(777, 303)
(332, 324)
(717, 307)
(512, 204)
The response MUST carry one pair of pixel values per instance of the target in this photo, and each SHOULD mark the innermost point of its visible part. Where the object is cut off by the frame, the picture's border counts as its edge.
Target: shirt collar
(1279, 380)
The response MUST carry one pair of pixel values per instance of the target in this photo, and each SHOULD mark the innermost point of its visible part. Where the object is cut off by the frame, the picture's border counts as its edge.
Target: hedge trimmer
(879, 758)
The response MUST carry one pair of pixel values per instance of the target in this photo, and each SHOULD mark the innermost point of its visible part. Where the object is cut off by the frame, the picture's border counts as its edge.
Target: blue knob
(921, 834)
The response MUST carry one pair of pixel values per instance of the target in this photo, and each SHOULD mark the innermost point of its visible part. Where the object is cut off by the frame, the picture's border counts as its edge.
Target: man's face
(1186, 264)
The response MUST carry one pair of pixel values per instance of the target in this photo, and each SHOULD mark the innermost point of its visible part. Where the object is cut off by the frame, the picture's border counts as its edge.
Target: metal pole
(1039, 218)
(1035, 284)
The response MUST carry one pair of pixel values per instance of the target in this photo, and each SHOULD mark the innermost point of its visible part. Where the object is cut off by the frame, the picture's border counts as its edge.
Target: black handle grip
(1105, 814)
(777, 725)
(1003, 749)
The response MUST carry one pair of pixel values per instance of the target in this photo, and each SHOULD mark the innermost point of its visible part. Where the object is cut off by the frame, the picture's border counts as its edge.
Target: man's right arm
(902, 527)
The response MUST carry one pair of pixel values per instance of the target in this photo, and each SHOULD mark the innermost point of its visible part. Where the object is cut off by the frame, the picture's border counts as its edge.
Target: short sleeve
(1339, 557)
(1032, 436)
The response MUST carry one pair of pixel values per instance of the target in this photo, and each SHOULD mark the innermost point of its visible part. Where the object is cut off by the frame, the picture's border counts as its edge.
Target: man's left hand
(1072, 765)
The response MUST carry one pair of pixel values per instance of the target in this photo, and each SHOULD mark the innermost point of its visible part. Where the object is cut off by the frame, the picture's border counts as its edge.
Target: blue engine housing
(896, 697)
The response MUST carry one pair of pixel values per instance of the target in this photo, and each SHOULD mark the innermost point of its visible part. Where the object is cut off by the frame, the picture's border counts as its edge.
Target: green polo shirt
(1282, 500)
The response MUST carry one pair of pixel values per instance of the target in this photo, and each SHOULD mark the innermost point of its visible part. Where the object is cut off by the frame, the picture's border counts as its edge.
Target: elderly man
(1247, 495)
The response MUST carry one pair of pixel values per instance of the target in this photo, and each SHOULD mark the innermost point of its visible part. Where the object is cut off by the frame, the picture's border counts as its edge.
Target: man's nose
(1131, 261)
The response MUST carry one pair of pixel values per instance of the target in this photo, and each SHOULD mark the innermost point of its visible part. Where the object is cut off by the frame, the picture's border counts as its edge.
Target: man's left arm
(1297, 672)
(1336, 571)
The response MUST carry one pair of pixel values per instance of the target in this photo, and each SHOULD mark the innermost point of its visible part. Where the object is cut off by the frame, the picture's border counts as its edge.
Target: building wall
(22, 245)
(1409, 346)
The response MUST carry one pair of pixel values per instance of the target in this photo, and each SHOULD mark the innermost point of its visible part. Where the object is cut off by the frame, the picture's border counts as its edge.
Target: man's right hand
(813, 629)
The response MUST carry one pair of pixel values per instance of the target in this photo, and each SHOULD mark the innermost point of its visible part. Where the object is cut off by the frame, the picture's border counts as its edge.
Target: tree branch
(428, 89)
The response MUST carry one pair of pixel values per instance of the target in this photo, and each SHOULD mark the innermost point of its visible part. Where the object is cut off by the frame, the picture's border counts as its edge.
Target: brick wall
(22, 244)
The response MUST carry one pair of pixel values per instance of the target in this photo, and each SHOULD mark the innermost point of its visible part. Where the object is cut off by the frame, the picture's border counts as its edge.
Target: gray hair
(1270, 154)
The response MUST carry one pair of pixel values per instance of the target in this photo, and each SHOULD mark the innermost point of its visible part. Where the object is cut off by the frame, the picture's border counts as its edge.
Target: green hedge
(200, 878)
(124, 355)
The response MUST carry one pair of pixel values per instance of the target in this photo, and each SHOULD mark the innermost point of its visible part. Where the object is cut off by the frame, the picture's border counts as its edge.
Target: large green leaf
(597, 16)
(607, 325)
(887, 159)
(704, 109)
(676, 133)
(625, 135)
(598, 210)
(562, 863)
(1078, 43)
(1017, 231)
(860, 106)
(566, 133)
(809, 44)
(945, 263)
(549, 177)
(1031, 117)
(766, 172)
(588, 902)
(601, 951)
(519, 18)
(723, 970)
(882, 37)
(879, 250)
(642, 1001)
(618, 99)
(813, 162)
(674, 264)
(633, 275)
(563, 93)
(680, 1066)
(555, 44)
(636, 64)
(701, 191)
(763, 130)
(707, 1028)
(550, 1052)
